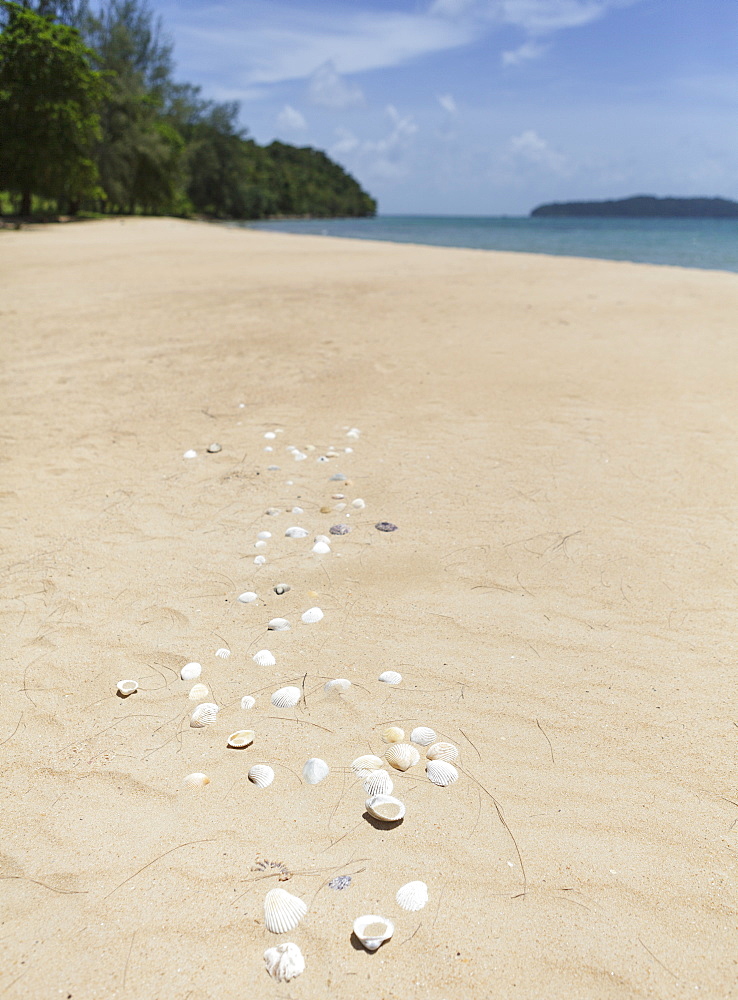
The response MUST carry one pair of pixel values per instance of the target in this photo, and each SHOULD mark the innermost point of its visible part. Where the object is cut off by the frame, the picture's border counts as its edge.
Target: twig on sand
(501, 817)
(469, 741)
(553, 759)
(154, 860)
(128, 959)
(14, 731)
(66, 892)
(658, 960)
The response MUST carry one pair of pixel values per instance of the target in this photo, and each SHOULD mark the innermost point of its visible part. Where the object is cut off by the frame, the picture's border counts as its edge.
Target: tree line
(91, 119)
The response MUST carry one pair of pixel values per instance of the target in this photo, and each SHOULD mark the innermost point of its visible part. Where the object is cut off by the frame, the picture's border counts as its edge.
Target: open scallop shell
(363, 766)
(242, 738)
(282, 911)
(296, 533)
(402, 756)
(198, 692)
(204, 715)
(385, 808)
(373, 931)
(248, 701)
(247, 597)
(286, 697)
(190, 671)
(311, 615)
(378, 783)
(125, 688)
(321, 548)
(196, 780)
(264, 658)
(440, 772)
(390, 677)
(280, 625)
(340, 684)
(442, 751)
(261, 775)
(412, 896)
(315, 770)
(285, 962)
(423, 736)
(393, 735)
(222, 653)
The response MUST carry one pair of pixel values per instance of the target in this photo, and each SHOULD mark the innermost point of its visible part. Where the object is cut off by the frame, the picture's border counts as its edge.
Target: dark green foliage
(642, 207)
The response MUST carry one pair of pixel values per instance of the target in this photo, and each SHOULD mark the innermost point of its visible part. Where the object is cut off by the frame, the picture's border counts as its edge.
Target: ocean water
(702, 243)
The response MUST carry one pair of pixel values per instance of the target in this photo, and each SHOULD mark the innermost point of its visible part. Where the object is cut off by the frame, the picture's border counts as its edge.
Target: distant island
(642, 206)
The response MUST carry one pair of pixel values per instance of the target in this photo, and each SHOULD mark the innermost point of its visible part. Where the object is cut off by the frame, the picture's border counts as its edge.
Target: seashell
(282, 588)
(247, 597)
(366, 764)
(204, 715)
(285, 962)
(339, 507)
(297, 510)
(402, 756)
(337, 477)
(272, 511)
(339, 529)
(322, 458)
(442, 751)
(353, 433)
(190, 671)
(315, 770)
(281, 625)
(393, 735)
(440, 772)
(286, 697)
(222, 654)
(390, 677)
(299, 456)
(358, 503)
(248, 701)
(385, 808)
(282, 911)
(198, 692)
(312, 615)
(423, 736)
(190, 454)
(264, 535)
(340, 882)
(125, 688)
(261, 775)
(268, 447)
(273, 468)
(270, 435)
(348, 451)
(259, 561)
(373, 931)
(325, 510)
(385, 526)
(214, 448)
(240, 739)
(338, 496)
(412, 896)
(261, 544)
(378, 783)
(296, 533)
(196, 780)
(340, 684)
(321, 548)
(323, 538)
(264, 658)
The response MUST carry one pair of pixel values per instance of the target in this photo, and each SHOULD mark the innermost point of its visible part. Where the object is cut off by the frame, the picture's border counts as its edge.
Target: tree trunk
(25, 205)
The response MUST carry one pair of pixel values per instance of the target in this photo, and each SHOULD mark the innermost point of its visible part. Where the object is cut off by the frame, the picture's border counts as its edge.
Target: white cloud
(534, 16)
(529, 150)
(289, 118)
(330, 90)
(347, 142)
(528, 50)
(384, 157)
(447, 103)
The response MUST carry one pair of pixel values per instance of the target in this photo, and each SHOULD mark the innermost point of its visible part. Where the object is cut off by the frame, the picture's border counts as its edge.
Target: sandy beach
(555, 441)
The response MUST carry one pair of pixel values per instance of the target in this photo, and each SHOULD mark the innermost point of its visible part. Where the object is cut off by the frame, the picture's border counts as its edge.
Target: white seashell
(340, 507)
(373, 931)
(222, 654)
(315, 770)
(349, 451)
(338, 477)
(196, 780)
(204, 715)
(321, 548)
(385, 808)
(270, 435)
(323, 538)
(412, 896)
(282, 625)
(190, 454)
(353, 433)
(264, 658)
(282, 911)
(358, 503)
(198, 692)
(423, 736)
(214, 448)
(242, 738)
(285, 962)
(366, 765)
(442, 751)
(263, 535)
(393, 735)
(297, 510)
(268, 448)
(390, 677)
(259, 561)
(440, 772)
(127, 687)
(312, 615)
(190, 671)
(261, 544)
(296, 533)
(338, 496)
(273, 511)
(340, 684)
(286, 697)
(248, 701)
(299, 456)
(378, 783)
(402, 756)
(261, 775)
(248, 597)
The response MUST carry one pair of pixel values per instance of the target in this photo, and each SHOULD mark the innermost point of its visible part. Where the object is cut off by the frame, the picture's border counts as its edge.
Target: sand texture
(555, 440)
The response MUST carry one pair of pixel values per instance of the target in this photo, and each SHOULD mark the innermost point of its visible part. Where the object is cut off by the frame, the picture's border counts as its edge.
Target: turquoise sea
(703, 243)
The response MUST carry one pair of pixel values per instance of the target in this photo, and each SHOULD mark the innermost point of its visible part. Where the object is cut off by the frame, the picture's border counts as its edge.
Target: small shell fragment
(340, 684)
(321, 548)
(204, 715)
(196, 780)
(282, 911)
(338, 477)
(282, 588)
(378, 783)
(198, 692)
(366, 764)
(264, 658)
(412, 896)
(247, 597)
(285, 962)
(190, 454)
(440, 772)
(340, 529)
(259, 560)
(358, 503)
(240, 739)
(312, 615)
(261, 544)
(190, 671)
(296, 533)
(315, 770)
(126, 688)
(373, 931)
(385, 808)
(261, 775)
(297, 510)
(393, 735)
(248, 701)
(385, 526)
(423, 736)
(338, 496)
(390, 677)
(214, 448)
(442, 751)
(402, 756)
(263, 535)
(280, 625)
(272, 511)
(222, 653)
(286, 697)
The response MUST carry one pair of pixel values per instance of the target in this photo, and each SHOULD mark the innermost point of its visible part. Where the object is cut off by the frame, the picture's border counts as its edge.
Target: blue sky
(481, 107)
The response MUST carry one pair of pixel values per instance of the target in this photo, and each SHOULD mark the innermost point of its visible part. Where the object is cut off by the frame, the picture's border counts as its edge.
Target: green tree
(49, 102)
